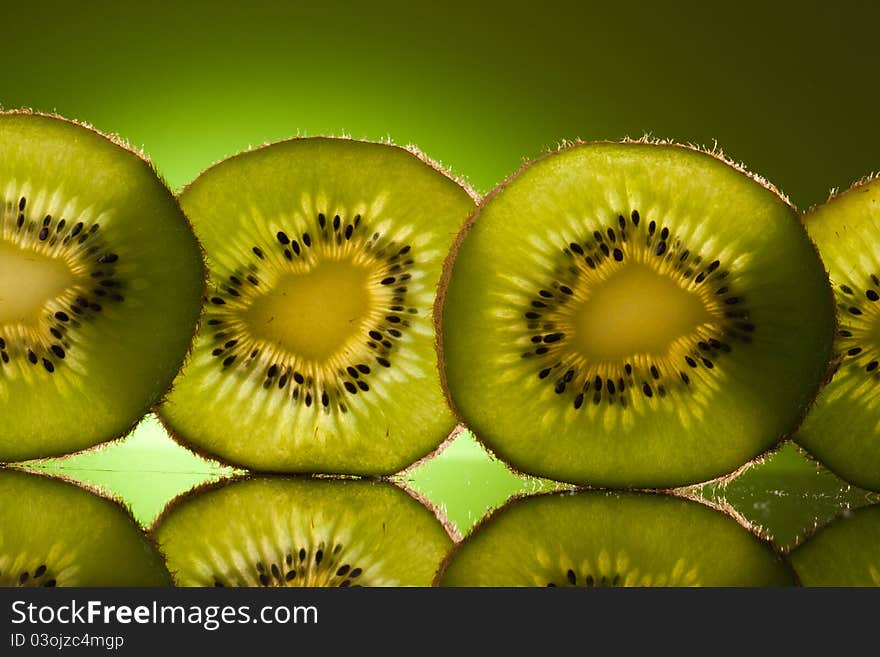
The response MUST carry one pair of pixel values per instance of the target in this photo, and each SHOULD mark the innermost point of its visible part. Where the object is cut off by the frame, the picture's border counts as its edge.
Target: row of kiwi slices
(283, 531)
(615, 314)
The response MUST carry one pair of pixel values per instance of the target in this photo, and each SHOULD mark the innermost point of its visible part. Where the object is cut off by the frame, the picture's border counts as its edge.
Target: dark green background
(789, 90)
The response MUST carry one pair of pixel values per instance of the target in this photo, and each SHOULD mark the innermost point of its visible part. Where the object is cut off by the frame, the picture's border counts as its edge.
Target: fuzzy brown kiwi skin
(110, 497)
(515, 500)
(146, 161)
(449, 264)
(411, 150)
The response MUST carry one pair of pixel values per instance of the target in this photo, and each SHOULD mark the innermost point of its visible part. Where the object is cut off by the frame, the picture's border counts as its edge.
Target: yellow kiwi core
(314, 313)
(636, 310)
(28, 281)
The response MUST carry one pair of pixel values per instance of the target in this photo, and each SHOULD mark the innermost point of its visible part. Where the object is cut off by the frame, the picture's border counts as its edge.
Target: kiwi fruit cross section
(634, 315)
(316, 348)
(295, 531)
(101, 281)
(843, 428)
(55, 533)
(604, 539)
(845, 552)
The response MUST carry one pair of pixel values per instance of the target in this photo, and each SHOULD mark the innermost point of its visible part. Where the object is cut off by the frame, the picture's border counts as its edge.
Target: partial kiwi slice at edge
(612, 539)
(56, 533)
(845, 552)
(842, 429)
(101, 282)
(316, 349)
(275, 531)
(634, 315)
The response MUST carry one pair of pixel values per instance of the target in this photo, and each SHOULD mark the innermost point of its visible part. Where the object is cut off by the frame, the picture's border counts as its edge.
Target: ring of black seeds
(610, 248)
(302, 567)
(589, 581)
(855, 336)
(394, 260)
(40, 576)
(82, 243)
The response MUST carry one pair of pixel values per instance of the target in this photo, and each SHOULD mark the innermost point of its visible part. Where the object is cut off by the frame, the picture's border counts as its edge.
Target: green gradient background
(789, 90)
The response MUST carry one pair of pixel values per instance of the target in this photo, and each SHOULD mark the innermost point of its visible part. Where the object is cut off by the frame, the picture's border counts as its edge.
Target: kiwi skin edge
(565, 145)
(145, 160)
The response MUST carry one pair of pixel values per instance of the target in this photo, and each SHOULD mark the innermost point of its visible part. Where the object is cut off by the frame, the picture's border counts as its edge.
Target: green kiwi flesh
(846, 552)
(634, 315)
(293, 532)
(608, 539)
(101, 282)
(54, 533)
(316, 349)
(843, 427)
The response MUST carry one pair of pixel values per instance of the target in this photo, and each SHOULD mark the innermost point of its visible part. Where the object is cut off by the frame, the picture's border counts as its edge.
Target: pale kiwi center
(636, 310)
(28, 280)
(314, 314)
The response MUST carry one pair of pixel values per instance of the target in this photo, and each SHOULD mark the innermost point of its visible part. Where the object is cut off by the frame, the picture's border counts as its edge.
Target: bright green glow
(146, 469)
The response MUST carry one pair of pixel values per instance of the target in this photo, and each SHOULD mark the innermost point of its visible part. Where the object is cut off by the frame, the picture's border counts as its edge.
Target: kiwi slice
(843, 427)
(635, 314)
(316, 350)
(55, 533)
(101, 282)
(288, 531)
(846, 552)
(608, 539)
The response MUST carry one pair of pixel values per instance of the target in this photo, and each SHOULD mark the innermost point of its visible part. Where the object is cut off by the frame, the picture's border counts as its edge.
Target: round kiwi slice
(277, 531)
(316, 349)
(845, 552)
(843, 427)
(101, 282)
(607, 539)
(635, 314)
(55, 533)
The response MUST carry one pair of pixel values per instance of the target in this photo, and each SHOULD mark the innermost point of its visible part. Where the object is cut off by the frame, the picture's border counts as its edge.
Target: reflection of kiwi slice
(843, 428)
(100, 285)
(612, 539)
(846, 552)
(316, 352)
(274, 531)
(634, 315)
(53, 533)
